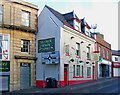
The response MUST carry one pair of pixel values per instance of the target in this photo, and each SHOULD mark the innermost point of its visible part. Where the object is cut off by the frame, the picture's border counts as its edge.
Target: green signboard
(46, 45)
(4, 66)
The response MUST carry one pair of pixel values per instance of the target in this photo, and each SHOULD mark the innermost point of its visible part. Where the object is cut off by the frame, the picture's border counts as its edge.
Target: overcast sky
(103, 13)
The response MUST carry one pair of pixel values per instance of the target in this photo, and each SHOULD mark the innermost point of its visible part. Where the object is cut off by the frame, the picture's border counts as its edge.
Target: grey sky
(103, 13)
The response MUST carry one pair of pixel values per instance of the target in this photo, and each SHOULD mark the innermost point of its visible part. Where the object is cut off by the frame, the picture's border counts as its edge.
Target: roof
(62, 17)
(57, 14)
(116, 52)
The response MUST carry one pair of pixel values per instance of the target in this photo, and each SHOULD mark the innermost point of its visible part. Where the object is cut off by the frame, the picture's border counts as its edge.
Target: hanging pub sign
(46, 45)
(4, 47)
(4, 66)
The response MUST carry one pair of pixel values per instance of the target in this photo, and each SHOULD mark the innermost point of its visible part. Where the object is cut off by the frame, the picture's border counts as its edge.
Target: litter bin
(53, 82)
(50, 82)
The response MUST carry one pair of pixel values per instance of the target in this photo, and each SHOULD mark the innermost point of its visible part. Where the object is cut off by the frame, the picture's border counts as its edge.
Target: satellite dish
(94, 26)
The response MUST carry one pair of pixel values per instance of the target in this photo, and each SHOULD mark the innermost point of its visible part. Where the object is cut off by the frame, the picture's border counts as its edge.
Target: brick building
(104, 64)
(18, 25)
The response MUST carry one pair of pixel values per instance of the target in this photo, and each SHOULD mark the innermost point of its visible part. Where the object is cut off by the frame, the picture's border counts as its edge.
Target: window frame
(88, 52)
(78, 49)
(24, 45)
(23, 18)
(1, 13)
(89, 73)
(103, 53)
(74, 71)
(78, 70)
(116, 58)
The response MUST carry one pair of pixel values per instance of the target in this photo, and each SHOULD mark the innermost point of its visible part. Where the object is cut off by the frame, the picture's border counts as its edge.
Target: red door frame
(65, 76)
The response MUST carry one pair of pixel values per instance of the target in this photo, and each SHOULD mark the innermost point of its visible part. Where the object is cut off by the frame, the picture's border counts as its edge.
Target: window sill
(78, 77)
(25, 52)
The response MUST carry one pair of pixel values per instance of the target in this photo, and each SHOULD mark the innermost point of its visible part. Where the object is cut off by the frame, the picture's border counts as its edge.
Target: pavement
(89, 87)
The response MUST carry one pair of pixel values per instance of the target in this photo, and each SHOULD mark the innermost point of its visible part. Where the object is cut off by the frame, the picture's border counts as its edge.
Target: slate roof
(57, 14)
(116, 52)
(62, 17)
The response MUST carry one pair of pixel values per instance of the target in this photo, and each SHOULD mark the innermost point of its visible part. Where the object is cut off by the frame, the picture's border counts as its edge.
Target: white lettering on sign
(116, 64)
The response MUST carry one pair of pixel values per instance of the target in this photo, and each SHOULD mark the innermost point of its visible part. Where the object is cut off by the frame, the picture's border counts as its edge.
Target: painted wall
(66, 34)
(49, 27)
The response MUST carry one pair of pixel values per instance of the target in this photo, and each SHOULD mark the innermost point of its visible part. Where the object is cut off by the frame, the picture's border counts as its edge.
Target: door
(24, 75)
(65, 76)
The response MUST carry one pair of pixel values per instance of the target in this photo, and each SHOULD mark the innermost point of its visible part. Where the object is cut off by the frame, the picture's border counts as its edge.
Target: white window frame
(90, 73)
(23, 46)
(78, 70)
(1, 14)
(25, 18)
(74, 70)
(88, 52)
(77, 49)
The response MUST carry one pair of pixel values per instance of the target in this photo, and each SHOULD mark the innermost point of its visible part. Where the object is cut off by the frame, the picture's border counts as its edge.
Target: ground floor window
(82, 71)
(88, 71)
(73, 70)
(78, 70)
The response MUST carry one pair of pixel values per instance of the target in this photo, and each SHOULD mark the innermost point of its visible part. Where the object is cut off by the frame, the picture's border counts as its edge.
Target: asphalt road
(101, 86)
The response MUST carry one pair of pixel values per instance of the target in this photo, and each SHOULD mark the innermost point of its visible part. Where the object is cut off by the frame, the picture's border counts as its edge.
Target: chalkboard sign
(46, 45)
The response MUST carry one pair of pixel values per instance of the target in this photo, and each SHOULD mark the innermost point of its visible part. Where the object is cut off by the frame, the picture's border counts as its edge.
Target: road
(101, 86)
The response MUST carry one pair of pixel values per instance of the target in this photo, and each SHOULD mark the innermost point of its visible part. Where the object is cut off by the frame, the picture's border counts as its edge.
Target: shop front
(116, 69)
(104, 68)
(4, 76)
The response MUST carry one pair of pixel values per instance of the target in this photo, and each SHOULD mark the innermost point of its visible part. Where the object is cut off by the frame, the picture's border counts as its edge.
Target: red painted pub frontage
(116, 69)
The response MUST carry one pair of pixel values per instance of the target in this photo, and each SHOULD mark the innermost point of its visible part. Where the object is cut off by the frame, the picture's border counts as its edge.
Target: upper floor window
(78, 49)
(77, 25)
(116, 59)
(103, 53)
(67, 49)
(88, 52)
(107, 54)
(1, 14)
(25, 45)
(25, 18)
(4, 46)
